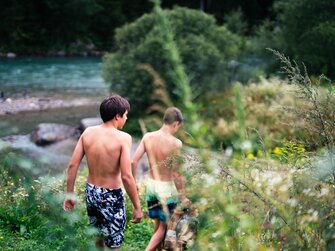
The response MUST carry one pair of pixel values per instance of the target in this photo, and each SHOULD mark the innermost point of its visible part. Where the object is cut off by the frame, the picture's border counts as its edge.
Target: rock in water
(87, 122)
(48, 133)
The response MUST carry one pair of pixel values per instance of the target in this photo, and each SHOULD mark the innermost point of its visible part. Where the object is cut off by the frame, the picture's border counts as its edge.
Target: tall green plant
(179, 76)
(280, 214)
(204, 49)
(239, 111)
(196, 128)
(319, 116)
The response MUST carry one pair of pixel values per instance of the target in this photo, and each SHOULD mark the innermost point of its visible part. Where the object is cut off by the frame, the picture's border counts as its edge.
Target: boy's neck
(111, 123)
(167, 129)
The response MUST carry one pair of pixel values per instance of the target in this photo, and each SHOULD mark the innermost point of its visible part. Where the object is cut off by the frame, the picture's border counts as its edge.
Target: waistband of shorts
(158, 182)
(103, 188)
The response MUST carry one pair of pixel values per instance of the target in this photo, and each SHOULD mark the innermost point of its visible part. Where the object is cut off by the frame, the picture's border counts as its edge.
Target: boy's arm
(136, 158)
(128, 179)
(72, 171)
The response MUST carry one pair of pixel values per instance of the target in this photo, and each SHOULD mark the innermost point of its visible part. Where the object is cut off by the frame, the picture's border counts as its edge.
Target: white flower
(209, 179)
(203, 201)
(246, 145)
(217, 233)
(275, 180)
(267, 175)
(324, 191)
(229, 151)
(306, 191)
(310, 211)
(292, 171)
(293, 202)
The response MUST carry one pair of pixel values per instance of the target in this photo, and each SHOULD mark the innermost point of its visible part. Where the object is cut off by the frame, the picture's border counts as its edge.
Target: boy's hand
(69, 202)
(186, 202)
(137, 216)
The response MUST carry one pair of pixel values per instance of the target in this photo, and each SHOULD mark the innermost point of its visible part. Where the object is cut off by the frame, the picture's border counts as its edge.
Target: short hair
(113, 105)
(171, 115)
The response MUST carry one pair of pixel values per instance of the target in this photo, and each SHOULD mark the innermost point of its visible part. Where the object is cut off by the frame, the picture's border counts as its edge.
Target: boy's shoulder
(90, 130)
(150, 135)
(124, 135)
(179, 143)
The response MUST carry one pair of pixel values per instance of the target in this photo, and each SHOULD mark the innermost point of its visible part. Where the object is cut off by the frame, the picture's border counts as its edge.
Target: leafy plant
(203, 50)
(319, 115)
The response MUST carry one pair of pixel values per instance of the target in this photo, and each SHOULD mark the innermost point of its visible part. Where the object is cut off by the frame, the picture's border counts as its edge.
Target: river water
(56, 77)
(76, 76)
(61, 78)
(50, 77)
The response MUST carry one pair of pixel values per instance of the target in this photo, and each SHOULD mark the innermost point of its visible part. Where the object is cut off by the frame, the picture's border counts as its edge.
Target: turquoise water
(57, 77)
(51, 75)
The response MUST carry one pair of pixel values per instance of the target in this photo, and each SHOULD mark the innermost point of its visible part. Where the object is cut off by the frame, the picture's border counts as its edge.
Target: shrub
(273, 111)
(204, 47)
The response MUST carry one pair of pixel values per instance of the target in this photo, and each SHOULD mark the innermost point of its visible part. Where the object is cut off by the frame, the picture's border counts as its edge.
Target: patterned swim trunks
(162, 198)
(106, 211)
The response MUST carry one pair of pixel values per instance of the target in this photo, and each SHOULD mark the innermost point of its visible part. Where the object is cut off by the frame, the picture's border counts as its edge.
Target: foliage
(236, 23)
(263, 204)
(304, 30)
(266, 35)
(270, 112)
(265, 193)
(204, 49)
(319, 115)
(32, 218)
(308, 33)
(137, 236)
(49, 26)
(46, 26)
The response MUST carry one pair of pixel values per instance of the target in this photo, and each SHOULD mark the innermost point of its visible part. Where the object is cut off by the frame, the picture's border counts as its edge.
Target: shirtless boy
(164, 187)
(107, 151)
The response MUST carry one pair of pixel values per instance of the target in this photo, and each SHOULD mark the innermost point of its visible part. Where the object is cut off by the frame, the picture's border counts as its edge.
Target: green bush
(303, 30)
(204, 47)
(32, 217)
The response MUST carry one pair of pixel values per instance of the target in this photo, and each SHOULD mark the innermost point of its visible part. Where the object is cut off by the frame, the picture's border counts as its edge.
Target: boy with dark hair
(107, 150)
(164, 186)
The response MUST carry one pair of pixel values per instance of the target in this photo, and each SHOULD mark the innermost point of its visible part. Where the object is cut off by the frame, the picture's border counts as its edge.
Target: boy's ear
(117, 116)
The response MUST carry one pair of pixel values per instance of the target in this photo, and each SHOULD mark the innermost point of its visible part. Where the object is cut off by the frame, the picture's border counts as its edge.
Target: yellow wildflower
(250, 156)
(276, 150)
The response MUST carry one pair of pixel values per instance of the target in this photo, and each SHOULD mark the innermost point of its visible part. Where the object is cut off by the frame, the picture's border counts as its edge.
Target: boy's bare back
(161, 149)
(104, 147)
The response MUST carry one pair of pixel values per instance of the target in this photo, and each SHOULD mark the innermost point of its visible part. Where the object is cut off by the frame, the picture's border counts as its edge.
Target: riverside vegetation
(260, 160)
(275, 179)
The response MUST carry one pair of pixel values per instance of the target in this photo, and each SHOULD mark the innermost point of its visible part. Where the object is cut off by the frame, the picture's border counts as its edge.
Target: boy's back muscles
(103, 150)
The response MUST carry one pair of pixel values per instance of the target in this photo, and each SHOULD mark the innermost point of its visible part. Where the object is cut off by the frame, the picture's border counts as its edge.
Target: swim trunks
(106, 211)
(162, 198)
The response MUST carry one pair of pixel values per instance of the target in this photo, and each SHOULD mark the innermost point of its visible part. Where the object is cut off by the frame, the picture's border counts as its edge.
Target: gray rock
(87, 122)
(60, 53)
(11, 55)
(48, 133)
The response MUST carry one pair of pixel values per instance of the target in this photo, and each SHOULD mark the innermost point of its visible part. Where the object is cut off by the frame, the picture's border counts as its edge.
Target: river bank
(19, 117)
(28, 104)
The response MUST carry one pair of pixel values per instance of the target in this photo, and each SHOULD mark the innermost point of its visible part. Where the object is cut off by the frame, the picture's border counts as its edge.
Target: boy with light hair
(165, 185)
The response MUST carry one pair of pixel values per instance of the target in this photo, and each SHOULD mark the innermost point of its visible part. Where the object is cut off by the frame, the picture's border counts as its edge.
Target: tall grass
(256, 203)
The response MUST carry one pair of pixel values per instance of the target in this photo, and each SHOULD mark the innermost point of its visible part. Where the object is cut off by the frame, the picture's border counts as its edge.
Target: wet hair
(112, 106)
(171, 115)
